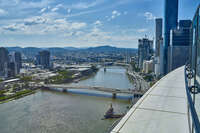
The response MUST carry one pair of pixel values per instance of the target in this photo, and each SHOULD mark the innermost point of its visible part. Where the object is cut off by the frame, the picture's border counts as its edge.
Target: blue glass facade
(170, 22)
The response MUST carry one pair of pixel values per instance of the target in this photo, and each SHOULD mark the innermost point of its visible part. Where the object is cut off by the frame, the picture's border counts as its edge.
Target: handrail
(194, 115)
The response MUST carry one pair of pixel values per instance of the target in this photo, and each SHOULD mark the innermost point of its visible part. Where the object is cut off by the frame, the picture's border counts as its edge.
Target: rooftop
(163, 109)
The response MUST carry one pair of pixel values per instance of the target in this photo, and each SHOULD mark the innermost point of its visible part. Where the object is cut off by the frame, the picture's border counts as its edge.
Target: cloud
(97, 36)
(97, 23)
(14, 27)
(115, 14)
(149, 16)
(35, 20)
(142, 30)
(85, 5)
(2, 12)
(44, 24)
(69, 10)
(57, 7)
(42, 10)
(54, 9)
(38, 4)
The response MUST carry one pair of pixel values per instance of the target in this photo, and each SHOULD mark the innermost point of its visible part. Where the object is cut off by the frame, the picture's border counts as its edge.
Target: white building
(148, 66)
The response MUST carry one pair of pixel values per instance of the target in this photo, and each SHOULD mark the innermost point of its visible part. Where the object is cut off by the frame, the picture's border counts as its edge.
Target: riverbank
(66, 76)
(17, 95)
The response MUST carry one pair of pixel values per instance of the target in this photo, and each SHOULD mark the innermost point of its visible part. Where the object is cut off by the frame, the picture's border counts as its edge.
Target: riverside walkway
(162, 109)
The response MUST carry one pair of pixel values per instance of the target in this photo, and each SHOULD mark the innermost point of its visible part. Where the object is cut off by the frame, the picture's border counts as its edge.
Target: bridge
(114, 91)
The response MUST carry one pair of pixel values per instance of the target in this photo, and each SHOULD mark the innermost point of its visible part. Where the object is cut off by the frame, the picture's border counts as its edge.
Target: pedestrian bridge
(162, 109)
(114, 91)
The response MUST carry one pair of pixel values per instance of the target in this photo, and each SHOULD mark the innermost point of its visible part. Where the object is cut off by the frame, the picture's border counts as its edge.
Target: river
(58, 112)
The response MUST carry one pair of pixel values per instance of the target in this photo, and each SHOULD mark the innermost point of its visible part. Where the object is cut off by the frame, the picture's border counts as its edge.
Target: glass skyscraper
(170, 22)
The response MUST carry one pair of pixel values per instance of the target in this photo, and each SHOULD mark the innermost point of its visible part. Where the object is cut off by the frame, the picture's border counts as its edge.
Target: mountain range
(33, 51)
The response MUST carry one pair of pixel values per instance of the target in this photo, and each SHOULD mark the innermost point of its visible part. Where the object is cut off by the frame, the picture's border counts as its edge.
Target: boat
(113, 116)
(110, 114)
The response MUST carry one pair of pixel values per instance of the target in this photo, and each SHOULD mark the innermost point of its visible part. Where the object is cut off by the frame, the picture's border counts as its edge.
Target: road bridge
(114, 91)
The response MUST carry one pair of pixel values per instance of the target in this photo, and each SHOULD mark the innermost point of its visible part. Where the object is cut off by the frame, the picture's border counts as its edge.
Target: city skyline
(43, 23)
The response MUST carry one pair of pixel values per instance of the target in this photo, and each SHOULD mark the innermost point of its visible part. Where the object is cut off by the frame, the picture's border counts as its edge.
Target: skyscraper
(145, 50)
(18, 62)
(170, 23)
(158, 35)
(180, 39)
(14, 64)
(3, 61)
(44, 59)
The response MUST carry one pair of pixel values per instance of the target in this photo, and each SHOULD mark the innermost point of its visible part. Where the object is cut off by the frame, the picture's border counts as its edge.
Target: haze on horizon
(81, 23)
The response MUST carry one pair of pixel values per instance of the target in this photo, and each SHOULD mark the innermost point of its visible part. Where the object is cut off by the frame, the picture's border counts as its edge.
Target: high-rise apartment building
(158, 35)
(15, 57)
(4, 59)
(18, 62)
(43, 59)
(170, 23)
(145, 50)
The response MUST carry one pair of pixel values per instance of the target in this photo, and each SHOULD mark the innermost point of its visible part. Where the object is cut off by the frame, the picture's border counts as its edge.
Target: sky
(82, 23)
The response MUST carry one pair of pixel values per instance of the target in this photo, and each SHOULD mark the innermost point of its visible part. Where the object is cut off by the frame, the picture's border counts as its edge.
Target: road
(140, 83)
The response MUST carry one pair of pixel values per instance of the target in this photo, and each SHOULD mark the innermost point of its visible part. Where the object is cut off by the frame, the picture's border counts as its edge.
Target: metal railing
(195, 125)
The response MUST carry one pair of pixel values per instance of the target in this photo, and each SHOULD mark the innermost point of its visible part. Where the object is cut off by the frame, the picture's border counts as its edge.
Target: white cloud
(142, 30)
(85, 5)
(54, 9)
(14, 27)
(98, 23)
(57, 7)
(115, 14)
(2, 12)
(38, 4)
(97, 36)
(44, 24)
(149, 16)
(43, 10)
(35, 20)
(69, 10)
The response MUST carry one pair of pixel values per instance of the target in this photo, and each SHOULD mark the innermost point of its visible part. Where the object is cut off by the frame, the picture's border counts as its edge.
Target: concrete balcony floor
(163, 109)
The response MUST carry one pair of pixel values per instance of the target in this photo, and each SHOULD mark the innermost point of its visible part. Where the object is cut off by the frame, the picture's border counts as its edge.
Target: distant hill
(71, 48)
(33, 51)
(109, 49)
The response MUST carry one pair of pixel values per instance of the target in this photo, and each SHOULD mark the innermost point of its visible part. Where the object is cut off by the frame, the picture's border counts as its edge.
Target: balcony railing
(191, 90)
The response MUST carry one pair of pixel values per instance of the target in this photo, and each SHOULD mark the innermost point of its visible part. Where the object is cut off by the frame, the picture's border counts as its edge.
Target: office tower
(178, 51)
(11, 69)
(18, 62)
(4, 59)
(181, 35)
(15, 57)
(170, 23)
(38, 59)
(161, 57)
(44, 59)
(145, 50)
(158, 35)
